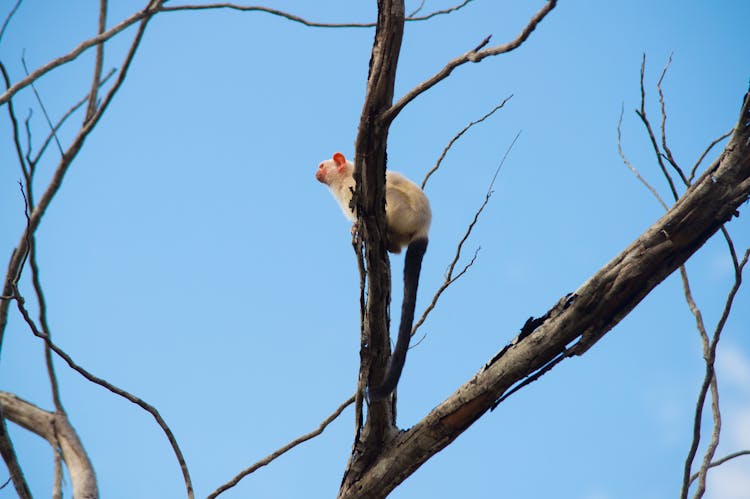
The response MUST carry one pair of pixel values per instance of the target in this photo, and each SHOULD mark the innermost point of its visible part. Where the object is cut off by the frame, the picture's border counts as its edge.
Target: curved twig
(723, 460)
(109, 386)
(474, 55)
(449, 277)
(705, 153)
(458, 136)
(263, 462)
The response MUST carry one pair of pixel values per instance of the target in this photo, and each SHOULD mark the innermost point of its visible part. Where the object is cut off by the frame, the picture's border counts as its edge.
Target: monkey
(407, 218)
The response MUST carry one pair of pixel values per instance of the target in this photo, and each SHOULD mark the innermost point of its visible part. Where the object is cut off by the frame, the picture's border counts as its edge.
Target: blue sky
(192, 259)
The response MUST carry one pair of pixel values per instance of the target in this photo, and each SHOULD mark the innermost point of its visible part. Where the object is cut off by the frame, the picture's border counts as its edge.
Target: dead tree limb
(55, 429)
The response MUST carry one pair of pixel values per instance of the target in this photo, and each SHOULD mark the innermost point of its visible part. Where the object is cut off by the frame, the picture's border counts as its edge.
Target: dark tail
(412, 268)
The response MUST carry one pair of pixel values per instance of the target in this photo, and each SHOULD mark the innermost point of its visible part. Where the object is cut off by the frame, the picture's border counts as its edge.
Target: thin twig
(703, 155)
(413, 17)
(710, 356)
(447, 282)
(14, 125)
(41, 105)
(98, 63)
(11, 461)
(33, 162)
(662, 105)
(708, 344)
(418, 9)
(37, 283)
(103, 383)
(78, 50)
(5, 483)
(268, 10)
(19, 255)
(16, 263)
(157, 8)
(530, 379)
(301, 20)
(723, 460)
(642, 114)
(282, 450)
(8, 17)
(474, 55)
(458, 136)
(633, 168)
(449, 277)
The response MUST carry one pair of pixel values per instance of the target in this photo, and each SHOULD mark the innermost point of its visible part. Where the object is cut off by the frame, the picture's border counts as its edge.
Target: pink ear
(339, 159)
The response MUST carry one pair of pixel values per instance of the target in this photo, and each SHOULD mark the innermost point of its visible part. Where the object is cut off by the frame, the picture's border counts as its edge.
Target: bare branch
(17, 259)
(57, 471)
(98, 62)
(580, 319)
(532, 377)
(37, 283)
(149, 11)
(652, 137)
(632, 168)
(282, 450)
(109, 386)
(703, 156)
(33, 162)
(301, 20)
(458, 136)
(474, 55)
(267, 10)
(662, 105)
(11, 461)
(708, 344)
(8, 18)
(447, 282)
(709, 381)
(41, 105)
(418, 9)
(55, 429)
(449, 277)
(413, 16)
(14, 125)
(723, 460)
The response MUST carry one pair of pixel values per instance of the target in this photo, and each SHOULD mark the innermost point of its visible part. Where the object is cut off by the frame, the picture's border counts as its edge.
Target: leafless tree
(383, 456)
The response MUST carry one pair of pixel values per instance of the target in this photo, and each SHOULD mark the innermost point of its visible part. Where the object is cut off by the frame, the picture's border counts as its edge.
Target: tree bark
(369, 174)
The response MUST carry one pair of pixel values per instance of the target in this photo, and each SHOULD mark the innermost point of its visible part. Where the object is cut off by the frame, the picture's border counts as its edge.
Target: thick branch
(369, 175)
(582, 317)
(55, 429)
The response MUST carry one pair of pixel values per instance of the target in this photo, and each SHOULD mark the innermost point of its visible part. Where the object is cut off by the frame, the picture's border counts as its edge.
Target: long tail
(412, 268)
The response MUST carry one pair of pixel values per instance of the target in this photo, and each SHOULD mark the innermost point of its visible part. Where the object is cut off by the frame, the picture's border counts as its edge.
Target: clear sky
(192, 259)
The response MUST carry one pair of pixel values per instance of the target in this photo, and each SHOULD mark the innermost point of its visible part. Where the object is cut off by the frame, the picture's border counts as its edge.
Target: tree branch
(581, 318)
(18, 258)
(11, 461)
(112, 388)
(458, 136)
(55, 429)
(98, 63)
(449, 277)
(474, 55)
(282, 450)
